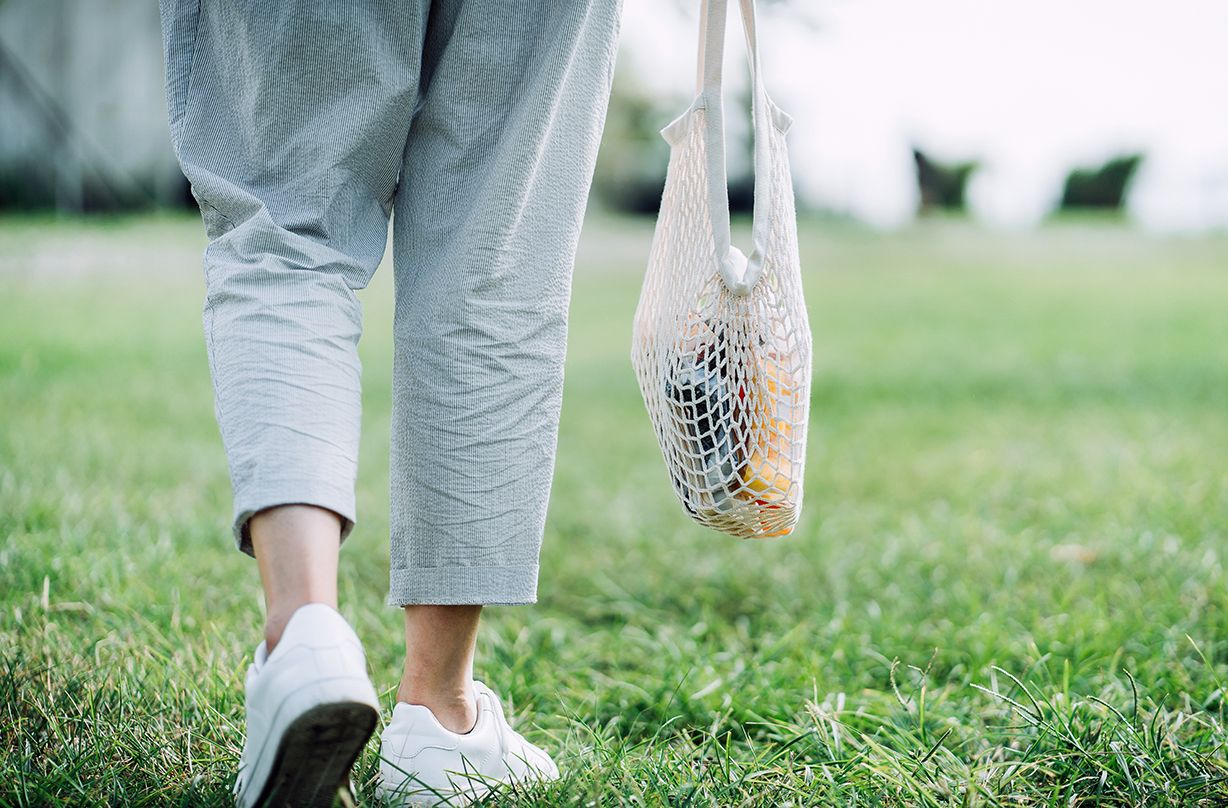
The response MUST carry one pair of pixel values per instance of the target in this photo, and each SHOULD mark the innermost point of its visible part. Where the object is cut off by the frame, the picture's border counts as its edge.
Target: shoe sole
(315, 755)
(421, 797)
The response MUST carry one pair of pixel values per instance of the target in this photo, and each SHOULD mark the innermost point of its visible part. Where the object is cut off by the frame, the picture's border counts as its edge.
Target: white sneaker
(424, 763)
(310, 710)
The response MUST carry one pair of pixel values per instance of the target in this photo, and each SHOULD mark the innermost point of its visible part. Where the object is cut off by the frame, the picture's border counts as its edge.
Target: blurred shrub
(943, 186)
(1104, 187)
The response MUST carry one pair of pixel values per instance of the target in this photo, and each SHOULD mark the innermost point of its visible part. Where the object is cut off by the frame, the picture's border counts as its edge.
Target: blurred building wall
(82, 106)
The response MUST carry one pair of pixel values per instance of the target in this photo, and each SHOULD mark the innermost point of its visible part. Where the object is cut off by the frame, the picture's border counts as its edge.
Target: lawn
(1008, 586)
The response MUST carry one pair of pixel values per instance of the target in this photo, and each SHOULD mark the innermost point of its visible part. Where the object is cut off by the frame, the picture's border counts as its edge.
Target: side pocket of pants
(180, 26)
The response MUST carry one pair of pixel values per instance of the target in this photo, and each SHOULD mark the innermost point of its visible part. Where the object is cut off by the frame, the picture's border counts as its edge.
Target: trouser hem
(455, 586)
(299, 491)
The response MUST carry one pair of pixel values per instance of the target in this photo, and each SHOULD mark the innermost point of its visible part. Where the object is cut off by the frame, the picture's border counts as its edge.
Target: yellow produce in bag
(721, 342)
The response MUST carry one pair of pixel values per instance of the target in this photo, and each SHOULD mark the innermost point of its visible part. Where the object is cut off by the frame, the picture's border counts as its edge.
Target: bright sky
(1031, 89)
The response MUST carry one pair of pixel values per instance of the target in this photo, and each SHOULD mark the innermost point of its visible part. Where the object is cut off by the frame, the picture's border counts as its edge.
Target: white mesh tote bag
(721, 343)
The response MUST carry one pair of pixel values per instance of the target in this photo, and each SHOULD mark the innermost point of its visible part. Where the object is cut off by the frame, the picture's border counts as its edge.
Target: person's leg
(439, 646)
(296, 548)
(289, 119)
(496, 176)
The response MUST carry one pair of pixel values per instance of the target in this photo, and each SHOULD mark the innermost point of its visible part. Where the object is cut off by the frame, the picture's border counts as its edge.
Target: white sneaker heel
(310, 710)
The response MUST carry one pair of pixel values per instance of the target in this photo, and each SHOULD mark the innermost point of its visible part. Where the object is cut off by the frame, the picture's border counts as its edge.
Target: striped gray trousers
(302, 127)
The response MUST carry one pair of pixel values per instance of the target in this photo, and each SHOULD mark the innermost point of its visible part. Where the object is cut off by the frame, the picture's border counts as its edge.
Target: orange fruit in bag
(768, 471)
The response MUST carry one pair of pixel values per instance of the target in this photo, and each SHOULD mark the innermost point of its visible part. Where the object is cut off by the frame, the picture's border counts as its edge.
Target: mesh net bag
(721, 343)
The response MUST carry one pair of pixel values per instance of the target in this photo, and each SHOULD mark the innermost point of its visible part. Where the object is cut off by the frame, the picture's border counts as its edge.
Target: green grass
(1008, 587)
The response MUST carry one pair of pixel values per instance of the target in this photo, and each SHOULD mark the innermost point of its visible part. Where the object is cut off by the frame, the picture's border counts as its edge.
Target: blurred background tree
(631, 165)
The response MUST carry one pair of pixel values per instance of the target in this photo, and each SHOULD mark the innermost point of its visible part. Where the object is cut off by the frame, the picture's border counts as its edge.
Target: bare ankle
(454, 707)
(277, 618)
(272, 633)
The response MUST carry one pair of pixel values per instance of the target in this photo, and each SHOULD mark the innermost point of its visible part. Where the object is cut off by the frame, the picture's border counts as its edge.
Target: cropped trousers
(303, 127)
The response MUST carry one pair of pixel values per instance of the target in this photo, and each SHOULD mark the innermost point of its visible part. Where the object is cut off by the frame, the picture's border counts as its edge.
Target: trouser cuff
(452, 586)
(269, 493)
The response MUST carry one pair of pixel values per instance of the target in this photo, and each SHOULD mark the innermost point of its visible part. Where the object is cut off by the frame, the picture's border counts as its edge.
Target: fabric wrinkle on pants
(474, 124)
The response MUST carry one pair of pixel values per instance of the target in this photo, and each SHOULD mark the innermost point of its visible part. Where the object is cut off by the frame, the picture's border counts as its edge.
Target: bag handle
(739, 272)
